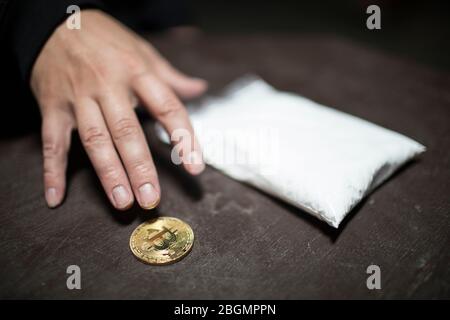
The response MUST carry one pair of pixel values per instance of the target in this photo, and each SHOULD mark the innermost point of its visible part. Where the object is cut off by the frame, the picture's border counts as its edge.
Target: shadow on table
(322, 226)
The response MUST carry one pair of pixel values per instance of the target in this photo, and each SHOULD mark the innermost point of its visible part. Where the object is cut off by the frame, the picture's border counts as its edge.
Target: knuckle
(52, 171)
(146, 47)
(51, 178)
(47, 101)
(141, 77)
(169, 107)
(51, 149)
(142, 168)
(109, 172)
(125, 128)
(50, 174)
(94, 136)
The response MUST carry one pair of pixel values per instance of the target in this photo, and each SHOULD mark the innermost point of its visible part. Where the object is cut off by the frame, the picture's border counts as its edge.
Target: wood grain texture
(248, 245)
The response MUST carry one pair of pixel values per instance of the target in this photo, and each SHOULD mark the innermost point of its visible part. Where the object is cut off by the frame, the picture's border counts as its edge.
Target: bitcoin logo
(160, 239)
(163, 240)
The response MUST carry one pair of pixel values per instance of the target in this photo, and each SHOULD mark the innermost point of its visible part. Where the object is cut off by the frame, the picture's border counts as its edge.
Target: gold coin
(162, 240)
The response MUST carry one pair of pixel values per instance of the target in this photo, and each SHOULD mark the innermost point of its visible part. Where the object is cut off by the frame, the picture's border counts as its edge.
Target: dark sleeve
(29, 23)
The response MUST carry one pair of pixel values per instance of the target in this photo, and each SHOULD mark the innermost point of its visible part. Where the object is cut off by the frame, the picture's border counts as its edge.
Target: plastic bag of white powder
(316, 158)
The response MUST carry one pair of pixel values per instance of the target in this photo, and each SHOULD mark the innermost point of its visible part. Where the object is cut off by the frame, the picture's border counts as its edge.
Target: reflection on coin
(162, 240)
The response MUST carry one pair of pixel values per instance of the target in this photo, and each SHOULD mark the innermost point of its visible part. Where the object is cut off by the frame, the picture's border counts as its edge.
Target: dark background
(418, 30)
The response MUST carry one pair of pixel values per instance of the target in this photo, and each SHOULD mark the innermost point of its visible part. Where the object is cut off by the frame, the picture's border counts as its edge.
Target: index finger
(164, 105)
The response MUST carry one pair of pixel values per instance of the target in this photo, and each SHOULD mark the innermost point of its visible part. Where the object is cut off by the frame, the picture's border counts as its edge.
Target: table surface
(248, 244)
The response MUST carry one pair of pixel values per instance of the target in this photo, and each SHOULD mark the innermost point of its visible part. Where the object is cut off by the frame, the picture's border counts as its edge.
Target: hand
(91, 79)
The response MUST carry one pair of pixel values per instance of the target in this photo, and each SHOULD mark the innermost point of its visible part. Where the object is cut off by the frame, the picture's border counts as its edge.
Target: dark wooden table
(248, 245)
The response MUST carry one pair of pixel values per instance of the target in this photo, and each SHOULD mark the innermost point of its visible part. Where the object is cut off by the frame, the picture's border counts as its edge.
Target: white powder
(316, 158)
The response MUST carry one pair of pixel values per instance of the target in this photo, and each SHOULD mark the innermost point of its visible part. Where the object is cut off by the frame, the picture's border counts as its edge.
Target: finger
(56, 135)
(184, 86)
(100, 149)
(169, 111)
(129, 139)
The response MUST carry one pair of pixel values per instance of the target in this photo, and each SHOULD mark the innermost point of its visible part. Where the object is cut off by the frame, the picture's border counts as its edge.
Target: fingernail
(52, 197)
(148, 196)
(195, 163)
(121, 197)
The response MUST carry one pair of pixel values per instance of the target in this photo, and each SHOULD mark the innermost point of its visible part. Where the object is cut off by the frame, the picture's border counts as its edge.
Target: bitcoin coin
(162, 240)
